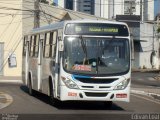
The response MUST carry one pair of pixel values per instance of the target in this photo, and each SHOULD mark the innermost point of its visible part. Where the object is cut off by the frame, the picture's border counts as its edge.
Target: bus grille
(90, 94)
(96, 81)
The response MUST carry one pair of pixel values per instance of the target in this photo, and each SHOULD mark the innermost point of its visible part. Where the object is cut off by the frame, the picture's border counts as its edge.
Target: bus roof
(60, 25)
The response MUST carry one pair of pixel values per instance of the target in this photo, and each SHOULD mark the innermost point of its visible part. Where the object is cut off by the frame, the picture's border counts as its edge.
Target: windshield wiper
(83, 44)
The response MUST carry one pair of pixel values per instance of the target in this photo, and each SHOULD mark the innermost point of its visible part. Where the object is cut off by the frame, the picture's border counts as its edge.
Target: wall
(11, 34)
(151, 44)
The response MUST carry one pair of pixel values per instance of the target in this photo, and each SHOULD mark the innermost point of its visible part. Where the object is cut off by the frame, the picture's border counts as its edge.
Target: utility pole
(130, 10)
(141, 8)
(113, 9)
(36, 14)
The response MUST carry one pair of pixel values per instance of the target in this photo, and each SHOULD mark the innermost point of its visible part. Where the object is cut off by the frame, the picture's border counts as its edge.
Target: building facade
(11, 38)
(110, 8)
(85, 6)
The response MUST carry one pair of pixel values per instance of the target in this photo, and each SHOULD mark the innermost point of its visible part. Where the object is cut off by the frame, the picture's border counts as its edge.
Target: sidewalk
(146, 70)
(12, 79)
(149, 91)
(153, 92)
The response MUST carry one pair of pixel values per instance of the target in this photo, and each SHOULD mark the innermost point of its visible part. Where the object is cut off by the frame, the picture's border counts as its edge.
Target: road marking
(140, 79)
(146, 99)
(151, 79)
(5, 100)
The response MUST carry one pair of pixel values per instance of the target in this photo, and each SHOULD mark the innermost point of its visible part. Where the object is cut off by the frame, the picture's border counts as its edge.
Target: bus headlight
(122, 85)
(69, 83)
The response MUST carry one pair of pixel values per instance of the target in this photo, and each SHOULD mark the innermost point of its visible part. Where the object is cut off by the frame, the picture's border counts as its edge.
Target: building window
(69, 4)
(129, 7)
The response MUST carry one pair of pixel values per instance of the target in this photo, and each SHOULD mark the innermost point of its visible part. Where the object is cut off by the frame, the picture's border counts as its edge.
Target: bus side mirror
(61, 46)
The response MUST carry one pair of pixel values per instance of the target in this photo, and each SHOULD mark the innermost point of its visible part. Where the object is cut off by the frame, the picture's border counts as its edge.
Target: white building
(10, 38)
(110, 8)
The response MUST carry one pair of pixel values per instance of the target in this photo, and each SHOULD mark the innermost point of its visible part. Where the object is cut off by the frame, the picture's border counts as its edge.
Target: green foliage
(44, 1)
(54, 4)
(158, 30)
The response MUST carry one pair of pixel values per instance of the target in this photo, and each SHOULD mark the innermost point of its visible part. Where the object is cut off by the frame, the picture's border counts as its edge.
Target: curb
(153, 95)
(146, 71)
(11, 81)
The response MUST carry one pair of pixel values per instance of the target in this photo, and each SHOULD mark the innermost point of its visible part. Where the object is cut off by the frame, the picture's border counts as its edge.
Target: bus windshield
(96, 55)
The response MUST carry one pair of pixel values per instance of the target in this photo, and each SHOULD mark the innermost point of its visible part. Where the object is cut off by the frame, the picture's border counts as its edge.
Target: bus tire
(30, 90)
(53, 101)
(108, 104)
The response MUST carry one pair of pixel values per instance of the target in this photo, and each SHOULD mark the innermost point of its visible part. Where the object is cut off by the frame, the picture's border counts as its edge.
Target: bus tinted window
(36, 39)
(96, 29)
(24, 45)
(32, 46)
(47, 45)
(53, 44)
(50, 44)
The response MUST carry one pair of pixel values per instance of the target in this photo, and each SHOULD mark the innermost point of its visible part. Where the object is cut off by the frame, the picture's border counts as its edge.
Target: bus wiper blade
(83, 44)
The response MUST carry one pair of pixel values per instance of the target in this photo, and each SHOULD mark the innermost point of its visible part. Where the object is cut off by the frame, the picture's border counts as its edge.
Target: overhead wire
(12, 36)
(6, 28)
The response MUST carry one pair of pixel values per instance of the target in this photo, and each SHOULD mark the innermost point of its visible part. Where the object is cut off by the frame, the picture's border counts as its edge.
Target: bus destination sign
(96, 29)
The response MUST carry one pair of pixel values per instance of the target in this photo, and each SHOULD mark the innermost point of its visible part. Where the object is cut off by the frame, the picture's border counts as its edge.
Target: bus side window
(47, 45)
(53, 45)
(31, 45)
(24, 45)
(36, 41)
(33, 42)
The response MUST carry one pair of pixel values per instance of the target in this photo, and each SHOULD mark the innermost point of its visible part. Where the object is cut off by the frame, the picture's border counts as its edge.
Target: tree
(44, 1)
(158, 30)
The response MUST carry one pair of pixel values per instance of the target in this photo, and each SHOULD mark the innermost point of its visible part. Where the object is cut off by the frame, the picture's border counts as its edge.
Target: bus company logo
(72, 94)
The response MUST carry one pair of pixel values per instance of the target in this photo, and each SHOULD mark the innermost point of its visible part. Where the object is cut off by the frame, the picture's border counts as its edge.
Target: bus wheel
(30, 90)
(108, 104)
(53, 101)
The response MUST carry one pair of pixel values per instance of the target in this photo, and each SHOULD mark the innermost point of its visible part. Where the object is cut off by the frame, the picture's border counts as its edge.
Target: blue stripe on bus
(79, 76)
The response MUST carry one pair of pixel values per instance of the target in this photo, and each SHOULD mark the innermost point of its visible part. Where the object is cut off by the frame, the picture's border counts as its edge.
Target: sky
(156, 7)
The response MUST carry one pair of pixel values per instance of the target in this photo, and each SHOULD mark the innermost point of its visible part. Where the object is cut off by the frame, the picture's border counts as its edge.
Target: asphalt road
(38, 105)
(145, 79)
(23, 103)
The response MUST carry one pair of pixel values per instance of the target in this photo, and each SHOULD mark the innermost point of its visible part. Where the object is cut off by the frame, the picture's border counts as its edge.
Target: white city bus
(83, 60)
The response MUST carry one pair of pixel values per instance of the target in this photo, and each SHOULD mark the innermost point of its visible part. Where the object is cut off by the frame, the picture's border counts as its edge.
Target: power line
(16, 29)
(8, 8)
(45, 16)
(16, 21)
(5, 61)
(6, 27)
(15, 14)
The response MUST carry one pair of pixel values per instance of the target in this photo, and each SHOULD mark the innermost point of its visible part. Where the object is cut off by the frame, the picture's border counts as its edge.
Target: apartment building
(85, 6)
(110, 8)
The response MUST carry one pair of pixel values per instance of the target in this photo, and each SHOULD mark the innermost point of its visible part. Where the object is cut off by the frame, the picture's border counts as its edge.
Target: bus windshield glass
(96, 55)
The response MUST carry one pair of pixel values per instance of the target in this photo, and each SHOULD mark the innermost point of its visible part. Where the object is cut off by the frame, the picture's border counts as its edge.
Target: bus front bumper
(67, 94)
